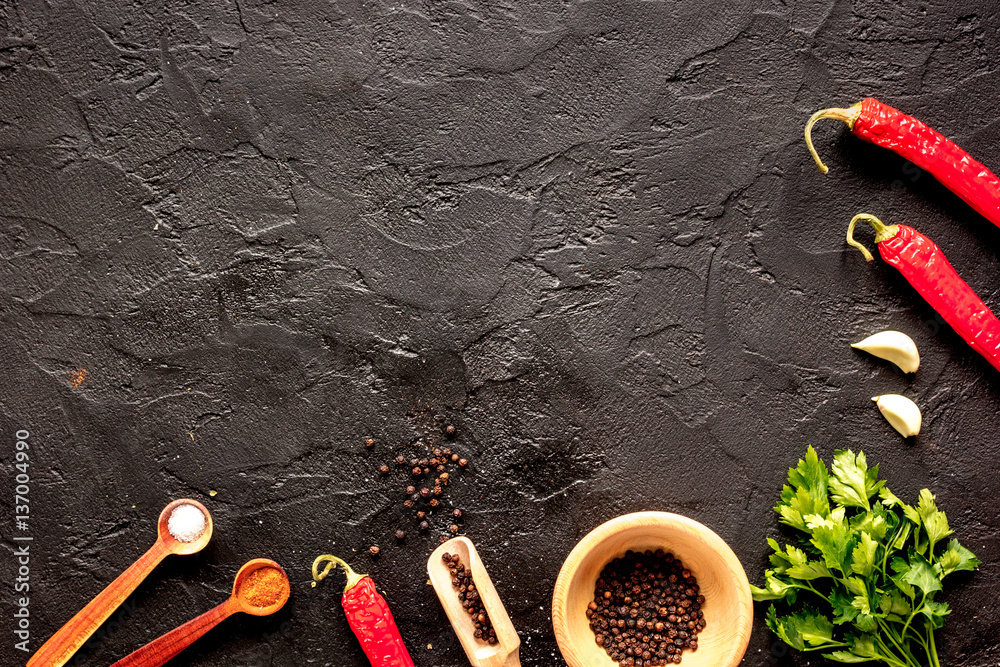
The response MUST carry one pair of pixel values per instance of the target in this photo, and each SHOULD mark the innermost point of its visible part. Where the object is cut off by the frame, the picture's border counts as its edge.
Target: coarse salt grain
(186, 523)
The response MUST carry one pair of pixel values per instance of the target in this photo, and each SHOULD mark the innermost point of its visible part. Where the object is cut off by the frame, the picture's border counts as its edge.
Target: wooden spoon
(162, 649)
(69, 638)
(505, 652)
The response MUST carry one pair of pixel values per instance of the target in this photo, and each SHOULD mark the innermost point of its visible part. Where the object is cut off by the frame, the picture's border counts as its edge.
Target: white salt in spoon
(63, 644)
(505, 652)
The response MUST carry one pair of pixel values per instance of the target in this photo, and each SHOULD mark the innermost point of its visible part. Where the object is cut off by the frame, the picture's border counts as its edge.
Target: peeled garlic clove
(902, 413)
(892, 346)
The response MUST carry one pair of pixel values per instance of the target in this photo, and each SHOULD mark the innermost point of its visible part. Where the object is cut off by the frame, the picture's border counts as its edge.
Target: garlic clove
(892, 346)
(902, 413)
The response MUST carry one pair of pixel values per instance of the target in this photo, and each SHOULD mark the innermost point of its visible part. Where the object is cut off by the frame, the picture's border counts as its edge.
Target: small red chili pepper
(923, 146)
(368, 615)
(924, 265)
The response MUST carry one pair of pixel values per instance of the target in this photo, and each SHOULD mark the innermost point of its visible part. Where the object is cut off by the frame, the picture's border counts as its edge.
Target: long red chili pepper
(925, 147)
(368, 615)
(924, 265)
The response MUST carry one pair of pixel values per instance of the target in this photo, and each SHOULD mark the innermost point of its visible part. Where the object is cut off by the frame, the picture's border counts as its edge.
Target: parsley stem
(892, 636)
(889, 654)
(923, 599)
(932, 650)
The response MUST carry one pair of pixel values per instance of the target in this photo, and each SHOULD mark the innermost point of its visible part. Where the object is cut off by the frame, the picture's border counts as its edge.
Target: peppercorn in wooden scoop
(261, 588)
(481, 653)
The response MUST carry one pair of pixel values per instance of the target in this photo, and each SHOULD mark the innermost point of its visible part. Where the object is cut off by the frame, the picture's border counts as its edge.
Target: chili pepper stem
(332, 562)
(849, 116)
(883, 232)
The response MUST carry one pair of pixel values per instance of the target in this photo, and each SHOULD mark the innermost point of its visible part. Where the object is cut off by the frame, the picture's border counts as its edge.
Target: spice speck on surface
(186, 523)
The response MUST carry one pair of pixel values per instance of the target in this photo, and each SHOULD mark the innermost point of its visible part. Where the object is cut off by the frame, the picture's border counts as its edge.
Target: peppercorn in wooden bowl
(726, 607)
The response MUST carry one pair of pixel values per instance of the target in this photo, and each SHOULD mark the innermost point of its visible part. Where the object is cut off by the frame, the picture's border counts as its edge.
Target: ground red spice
(263, 587)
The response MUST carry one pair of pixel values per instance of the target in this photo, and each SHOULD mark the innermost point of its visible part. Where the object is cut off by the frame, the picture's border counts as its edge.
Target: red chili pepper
(925, 147)
(368, 615)
(924, 265)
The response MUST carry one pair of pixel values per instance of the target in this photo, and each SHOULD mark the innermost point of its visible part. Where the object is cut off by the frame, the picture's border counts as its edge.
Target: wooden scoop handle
(61, 646)
(165, 647)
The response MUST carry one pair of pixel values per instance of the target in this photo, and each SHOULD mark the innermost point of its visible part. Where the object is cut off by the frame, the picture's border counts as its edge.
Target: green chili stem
(849, 116)
(353, 578)
(883, 232)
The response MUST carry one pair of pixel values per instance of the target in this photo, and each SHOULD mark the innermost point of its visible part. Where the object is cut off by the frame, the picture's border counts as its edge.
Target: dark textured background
(587, 233)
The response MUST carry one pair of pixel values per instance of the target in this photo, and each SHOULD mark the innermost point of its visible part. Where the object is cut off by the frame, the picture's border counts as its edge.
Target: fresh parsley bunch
(867, 568)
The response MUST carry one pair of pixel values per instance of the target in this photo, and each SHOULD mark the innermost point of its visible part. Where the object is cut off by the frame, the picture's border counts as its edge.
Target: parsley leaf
(956, 557)
(852, 483)
(806, 492)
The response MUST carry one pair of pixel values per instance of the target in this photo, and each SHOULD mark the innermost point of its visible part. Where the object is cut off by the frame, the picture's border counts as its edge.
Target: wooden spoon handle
(165, 647)
(69, 638)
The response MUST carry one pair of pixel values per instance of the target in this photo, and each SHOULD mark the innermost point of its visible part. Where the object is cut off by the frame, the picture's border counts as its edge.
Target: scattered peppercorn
(456, 513)
(400, 535)
(461, 580)
(374, 551)
(433, 460)
(646, 609)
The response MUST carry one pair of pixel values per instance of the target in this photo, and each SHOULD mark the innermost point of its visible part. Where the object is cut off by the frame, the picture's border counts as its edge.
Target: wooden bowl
(728, 608)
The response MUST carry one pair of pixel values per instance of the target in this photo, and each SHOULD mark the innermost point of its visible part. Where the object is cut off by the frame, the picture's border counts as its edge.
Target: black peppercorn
(456, 513)
(449, 430)
(400, 535)
(424, 526)
(384, 469)
(369, 442)
(374, 551)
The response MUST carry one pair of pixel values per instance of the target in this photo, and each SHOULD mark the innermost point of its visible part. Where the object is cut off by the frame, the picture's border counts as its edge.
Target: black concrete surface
(239, 238)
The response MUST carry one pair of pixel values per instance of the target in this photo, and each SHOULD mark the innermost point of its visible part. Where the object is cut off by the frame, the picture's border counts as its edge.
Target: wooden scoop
(162, 649)
(69, 638)
(505, 652)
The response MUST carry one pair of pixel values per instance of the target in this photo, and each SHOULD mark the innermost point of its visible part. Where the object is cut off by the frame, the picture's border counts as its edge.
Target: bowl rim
(575, 559)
